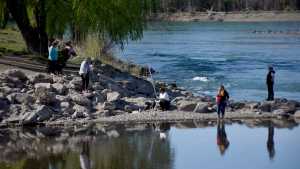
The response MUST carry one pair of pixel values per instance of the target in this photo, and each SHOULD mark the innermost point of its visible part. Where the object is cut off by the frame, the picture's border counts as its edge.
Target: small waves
(202, 79)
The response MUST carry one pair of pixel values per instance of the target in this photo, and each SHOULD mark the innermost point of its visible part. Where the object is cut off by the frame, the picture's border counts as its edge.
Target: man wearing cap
(270, 83)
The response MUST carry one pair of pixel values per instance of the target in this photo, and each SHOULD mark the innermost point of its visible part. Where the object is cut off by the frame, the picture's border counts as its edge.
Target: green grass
(11, 42)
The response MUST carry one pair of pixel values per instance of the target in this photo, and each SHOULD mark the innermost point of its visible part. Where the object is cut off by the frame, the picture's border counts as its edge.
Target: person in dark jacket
(67, 53)
(221, 99)
(270, 83)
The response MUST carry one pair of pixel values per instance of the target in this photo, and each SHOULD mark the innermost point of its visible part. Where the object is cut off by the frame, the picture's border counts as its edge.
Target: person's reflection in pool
(270, 141)
(222, 140)
(84, 156)
(163, 130)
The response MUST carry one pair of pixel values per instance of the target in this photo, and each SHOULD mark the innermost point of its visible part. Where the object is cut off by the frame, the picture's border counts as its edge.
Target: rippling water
(201, 56)
(183, 145)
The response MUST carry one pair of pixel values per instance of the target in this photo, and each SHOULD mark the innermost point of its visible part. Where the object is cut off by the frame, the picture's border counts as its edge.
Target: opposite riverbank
(247, 16)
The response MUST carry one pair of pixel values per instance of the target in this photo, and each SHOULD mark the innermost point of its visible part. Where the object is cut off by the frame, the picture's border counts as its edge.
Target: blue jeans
(221, 108)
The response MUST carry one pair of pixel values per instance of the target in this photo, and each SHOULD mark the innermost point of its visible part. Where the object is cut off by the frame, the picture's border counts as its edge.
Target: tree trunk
(36, 38)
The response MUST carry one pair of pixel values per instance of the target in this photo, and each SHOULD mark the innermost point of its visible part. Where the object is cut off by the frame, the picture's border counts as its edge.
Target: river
(202, 55)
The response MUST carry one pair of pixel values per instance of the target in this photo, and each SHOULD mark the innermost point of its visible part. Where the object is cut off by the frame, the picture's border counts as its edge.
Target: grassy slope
(11, 42)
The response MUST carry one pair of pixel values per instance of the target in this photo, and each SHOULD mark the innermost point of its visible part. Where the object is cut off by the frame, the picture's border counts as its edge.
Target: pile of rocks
(30, 99)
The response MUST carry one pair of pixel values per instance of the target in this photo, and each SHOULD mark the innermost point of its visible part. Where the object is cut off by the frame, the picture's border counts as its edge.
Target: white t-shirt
(164, 96)
(85, 68)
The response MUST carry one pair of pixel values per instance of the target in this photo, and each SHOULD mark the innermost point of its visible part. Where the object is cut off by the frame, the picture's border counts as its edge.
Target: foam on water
(199, 78)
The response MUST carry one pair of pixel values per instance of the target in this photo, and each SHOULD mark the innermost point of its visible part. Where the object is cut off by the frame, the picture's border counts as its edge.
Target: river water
(201, 56)
(178, 146)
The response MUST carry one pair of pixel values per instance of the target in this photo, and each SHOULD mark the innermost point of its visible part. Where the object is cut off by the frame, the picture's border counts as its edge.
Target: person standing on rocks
(67, 53)
(84, 72)
(221, 99)
(52, 58)
(270, 83)
(164, 99)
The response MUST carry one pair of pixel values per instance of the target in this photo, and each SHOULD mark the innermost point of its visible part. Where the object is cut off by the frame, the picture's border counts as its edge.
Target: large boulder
(20, 98)
(113, 96)
(40, 114)
(16, 73)
(59, 88)
(144, 87)
(75, 83)
(44, 93)
(41, 78)
(186, 105)
(66, 108)
(202, 107)
(81, 100)
(80, 111)
(266, 106)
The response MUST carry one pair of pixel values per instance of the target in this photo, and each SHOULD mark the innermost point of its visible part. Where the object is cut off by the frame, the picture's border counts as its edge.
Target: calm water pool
(179, 146)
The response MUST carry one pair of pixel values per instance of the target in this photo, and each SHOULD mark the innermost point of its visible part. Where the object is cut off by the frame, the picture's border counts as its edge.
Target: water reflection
(222, 141)
(270, 141)
(147, 146)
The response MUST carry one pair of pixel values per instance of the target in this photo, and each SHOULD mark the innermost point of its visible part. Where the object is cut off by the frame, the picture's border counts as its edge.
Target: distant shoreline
(212, 16)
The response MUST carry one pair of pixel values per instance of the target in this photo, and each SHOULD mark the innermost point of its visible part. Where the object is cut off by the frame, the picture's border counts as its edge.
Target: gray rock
(66, 108)
(75, 83)
(6, 90)
(131, 107)
(42, 113)
(59, 88)
(61, 98)
(98, 98)
(80, 111)
(17, 74)
(41, 78)
(112, 96)
(144, 87)
(202, 108)
(43, 93)
(20, 98)
(297, 114)
(81, 100)
(185, 105)
(266, 106)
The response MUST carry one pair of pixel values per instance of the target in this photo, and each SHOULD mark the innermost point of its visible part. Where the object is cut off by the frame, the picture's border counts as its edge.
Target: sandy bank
(253, 16)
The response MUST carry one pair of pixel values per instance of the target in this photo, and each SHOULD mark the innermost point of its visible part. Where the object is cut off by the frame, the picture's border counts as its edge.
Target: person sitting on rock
(84, 72)
(164, 99)
(221, 100)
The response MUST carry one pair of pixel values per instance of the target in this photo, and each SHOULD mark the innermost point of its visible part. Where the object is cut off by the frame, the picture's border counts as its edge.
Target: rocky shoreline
(114, 97)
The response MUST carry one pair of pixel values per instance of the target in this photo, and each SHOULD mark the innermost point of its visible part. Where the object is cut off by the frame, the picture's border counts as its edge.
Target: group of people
(56, 65)
(57, 60)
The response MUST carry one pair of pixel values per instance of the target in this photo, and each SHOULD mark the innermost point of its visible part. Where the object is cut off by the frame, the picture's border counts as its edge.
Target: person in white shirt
(164, 99)
(84, 72)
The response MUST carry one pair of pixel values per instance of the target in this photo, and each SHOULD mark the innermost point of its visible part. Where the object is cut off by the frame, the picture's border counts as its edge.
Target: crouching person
(84, 72)
(164, 99)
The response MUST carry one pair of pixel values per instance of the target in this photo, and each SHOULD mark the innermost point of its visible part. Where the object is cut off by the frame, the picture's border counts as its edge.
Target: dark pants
(270, 92)
(221, 109)
(164, 104)
(52, 66)
(85, 81)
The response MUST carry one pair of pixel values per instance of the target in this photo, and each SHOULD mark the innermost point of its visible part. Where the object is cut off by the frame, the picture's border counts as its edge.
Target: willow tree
(117, 20)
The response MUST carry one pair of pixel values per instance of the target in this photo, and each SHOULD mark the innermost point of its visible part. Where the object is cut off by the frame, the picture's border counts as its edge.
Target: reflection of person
(221, 99)
(163, 129)
(222, 140)
(270, 142)
(270, 83)
(84, 156)
(164, 99)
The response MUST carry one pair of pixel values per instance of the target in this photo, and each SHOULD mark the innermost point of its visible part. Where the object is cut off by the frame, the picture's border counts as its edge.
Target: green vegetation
(11, 42)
